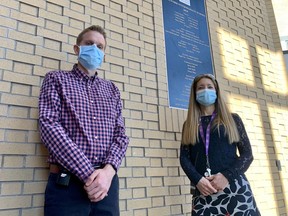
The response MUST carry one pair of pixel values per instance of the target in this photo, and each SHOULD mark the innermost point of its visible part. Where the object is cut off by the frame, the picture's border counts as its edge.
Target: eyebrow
(91, 41)
(88, 41)
(207, 84)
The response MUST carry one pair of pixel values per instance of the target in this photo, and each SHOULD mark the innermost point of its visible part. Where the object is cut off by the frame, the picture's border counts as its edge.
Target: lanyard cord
(206, 140)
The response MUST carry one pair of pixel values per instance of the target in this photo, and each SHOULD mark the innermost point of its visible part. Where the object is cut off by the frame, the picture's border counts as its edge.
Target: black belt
(55, 168)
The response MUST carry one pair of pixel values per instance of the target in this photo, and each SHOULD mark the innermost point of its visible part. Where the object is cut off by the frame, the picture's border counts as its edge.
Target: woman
(208, 155)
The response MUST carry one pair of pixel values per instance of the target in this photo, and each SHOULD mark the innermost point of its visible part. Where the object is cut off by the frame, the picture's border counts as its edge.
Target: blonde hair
(190, 131)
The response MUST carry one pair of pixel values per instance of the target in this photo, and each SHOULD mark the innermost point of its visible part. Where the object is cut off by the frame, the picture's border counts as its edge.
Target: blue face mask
(206, 97)
(90, 57)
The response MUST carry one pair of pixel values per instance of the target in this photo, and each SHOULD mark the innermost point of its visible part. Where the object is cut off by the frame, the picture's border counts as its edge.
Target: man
(81, 124)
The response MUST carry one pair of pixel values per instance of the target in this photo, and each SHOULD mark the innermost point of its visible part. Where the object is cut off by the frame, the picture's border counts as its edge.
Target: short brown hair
(96, 28)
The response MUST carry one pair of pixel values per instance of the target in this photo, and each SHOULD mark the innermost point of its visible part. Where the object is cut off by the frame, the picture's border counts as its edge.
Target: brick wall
(38, 36)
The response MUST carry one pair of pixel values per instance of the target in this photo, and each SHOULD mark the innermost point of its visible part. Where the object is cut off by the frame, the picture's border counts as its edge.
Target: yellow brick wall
(37, 36)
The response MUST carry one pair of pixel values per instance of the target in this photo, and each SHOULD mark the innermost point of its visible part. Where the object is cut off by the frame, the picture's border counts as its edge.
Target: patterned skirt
(236, 199)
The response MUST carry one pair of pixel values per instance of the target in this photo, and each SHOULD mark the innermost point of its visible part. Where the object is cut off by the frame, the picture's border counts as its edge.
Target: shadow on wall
(258, 103)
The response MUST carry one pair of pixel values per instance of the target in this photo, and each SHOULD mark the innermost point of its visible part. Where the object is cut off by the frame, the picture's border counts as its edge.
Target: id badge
(208, 172)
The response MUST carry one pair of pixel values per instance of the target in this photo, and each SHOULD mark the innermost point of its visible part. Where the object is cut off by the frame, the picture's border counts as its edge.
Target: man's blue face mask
(90, 57)
(206, 97)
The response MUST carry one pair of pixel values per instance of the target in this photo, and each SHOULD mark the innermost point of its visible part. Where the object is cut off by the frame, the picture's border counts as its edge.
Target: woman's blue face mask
(90, 57)
(206, 97)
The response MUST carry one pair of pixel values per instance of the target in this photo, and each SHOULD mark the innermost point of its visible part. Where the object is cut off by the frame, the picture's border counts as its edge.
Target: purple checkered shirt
(80, 119)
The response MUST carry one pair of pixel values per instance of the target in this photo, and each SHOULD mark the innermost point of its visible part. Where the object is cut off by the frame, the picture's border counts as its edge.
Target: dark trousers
(72, 200)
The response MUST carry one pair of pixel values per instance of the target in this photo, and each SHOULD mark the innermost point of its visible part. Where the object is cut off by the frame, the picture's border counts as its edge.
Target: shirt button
(92, 101)
(96, 158)
(96, 137)
(94, 118)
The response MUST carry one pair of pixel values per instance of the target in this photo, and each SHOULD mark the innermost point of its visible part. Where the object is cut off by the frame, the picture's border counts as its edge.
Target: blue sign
(187, 44)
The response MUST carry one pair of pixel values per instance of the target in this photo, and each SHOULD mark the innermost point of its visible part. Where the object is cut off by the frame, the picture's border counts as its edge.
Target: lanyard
(206, 140)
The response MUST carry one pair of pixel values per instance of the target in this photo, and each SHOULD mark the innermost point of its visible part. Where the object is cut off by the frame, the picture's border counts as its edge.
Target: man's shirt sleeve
(53, 135)
(120, 140)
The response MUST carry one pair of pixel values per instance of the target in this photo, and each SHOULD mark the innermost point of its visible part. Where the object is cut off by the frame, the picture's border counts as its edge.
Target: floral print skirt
(236, 199)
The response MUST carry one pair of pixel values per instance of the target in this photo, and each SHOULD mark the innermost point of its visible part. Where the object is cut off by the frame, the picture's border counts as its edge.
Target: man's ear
(76, 49)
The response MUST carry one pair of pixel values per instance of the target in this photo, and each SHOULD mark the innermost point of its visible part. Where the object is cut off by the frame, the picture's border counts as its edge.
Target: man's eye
(100, 47)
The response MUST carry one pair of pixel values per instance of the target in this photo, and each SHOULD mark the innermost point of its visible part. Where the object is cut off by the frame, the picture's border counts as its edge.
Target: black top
(222, 155)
